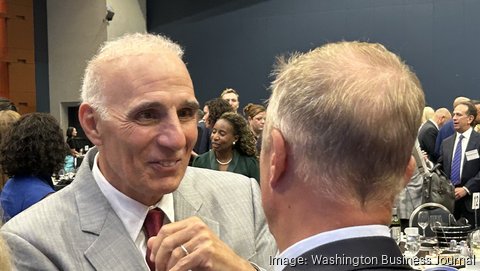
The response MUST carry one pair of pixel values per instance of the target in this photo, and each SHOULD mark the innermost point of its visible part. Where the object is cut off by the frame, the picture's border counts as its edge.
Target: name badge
(472, 155)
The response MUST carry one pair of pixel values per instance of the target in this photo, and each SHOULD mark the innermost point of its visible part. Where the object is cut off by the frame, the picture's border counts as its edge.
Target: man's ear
(412, 164)
(89, 122)
(278, 159)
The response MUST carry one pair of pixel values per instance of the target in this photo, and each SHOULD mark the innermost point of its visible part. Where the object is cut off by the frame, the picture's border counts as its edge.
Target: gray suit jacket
(76, 228)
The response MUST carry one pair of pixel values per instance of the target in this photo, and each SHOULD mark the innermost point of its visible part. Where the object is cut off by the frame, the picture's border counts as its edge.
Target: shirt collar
(131, 212)
(466, 134)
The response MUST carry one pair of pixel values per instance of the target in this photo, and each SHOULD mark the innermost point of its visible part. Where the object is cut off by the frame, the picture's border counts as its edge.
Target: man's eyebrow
(192, 104)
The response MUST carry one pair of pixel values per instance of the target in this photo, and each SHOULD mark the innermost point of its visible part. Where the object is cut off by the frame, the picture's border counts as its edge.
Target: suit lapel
(188, 202)
(111, 244)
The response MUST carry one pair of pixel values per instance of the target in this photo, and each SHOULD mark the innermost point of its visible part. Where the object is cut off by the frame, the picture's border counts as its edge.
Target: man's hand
(460, 193)
(205, 250)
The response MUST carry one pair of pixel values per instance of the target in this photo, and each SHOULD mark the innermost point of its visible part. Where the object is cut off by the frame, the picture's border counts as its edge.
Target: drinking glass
(412, 242)
(422, 221)
(435, 221)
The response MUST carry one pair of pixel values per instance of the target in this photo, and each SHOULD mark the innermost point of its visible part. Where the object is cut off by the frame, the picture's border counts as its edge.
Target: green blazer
(241, 164)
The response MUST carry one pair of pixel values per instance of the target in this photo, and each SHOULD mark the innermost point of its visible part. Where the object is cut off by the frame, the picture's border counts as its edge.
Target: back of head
(216, 108)
(7, 117)
(34, 145)
(442, 115)
(351, 112)
(251, 110)
(428, 113)
(119, 50)
(6, 104)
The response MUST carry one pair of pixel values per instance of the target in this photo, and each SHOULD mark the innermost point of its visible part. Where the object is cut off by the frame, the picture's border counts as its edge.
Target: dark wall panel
(41, 55)
(234, 43)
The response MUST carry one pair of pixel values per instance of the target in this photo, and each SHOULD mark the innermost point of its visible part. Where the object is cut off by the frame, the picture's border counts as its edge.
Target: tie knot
(153, 222)
(461, 137)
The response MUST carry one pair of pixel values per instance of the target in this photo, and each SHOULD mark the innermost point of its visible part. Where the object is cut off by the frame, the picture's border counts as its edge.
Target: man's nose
(171, 134)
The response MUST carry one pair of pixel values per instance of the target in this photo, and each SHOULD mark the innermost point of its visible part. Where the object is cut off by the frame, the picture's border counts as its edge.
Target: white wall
(76, 29)
(130, 17)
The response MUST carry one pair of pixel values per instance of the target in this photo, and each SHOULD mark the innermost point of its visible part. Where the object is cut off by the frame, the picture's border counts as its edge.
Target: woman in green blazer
(233, 148)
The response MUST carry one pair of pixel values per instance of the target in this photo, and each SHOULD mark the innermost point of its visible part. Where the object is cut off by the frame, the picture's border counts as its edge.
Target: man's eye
(146, 117)
(186, 113)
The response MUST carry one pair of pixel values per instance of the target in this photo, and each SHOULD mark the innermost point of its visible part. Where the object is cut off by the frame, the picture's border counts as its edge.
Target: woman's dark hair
(246, 139)
(70, 131)
(34, 145)
(216, 108)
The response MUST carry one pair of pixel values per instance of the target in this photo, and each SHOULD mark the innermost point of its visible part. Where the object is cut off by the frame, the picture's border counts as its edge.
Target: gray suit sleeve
(265, 243)
(27, 257)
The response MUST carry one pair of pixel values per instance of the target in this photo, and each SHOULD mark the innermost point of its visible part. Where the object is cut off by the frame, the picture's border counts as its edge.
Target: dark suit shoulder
(364, 253)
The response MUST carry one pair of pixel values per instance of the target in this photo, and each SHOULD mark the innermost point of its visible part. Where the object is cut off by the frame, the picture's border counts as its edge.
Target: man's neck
(304, 220)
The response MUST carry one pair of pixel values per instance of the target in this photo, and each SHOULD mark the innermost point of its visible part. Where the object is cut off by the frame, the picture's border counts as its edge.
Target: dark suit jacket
(444, 132)
(382, 251)
(471, 169)
(427, 137)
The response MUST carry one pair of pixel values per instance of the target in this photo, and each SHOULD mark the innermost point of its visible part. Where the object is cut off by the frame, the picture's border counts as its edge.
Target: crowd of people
(313, 173)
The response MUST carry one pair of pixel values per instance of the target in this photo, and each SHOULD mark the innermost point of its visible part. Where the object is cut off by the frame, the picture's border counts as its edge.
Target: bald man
(428, 133)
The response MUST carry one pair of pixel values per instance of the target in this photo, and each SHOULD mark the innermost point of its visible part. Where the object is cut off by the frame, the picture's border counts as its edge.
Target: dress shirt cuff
(466, 189)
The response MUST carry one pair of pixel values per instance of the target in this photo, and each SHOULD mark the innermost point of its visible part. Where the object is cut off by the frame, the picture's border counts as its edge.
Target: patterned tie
(153, 223)
(456, 163)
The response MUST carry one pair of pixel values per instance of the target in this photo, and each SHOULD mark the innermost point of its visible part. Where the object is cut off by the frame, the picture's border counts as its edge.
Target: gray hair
(127, 45)
(349, 112)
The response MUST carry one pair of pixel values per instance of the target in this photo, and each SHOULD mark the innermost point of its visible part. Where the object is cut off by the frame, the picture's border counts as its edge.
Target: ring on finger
(184, 250)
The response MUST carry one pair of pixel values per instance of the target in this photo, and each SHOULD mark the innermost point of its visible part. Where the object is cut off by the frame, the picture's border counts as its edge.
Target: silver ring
(184, 250)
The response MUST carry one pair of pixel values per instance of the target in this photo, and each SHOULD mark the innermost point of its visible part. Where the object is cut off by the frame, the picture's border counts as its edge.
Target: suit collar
(97, 218)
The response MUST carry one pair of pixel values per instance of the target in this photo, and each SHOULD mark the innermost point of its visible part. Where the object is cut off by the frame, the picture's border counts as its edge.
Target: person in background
(72, 141)
(134, 203)
(447, 129)
(6, 104)
(427, 135)
(326, 195)
(459, 159)
(31, 151)
(476, 128)
(216, 108)
(255, 115)
(232, 97)
(213, 110)
(233, 147)
(7, 118)
(427, 114)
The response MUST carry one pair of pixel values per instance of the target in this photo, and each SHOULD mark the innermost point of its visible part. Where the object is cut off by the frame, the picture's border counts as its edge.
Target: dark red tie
(153, 223)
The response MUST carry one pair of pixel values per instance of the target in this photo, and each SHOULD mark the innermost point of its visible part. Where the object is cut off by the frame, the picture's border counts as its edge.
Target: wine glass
(435, 221)
(422, 221)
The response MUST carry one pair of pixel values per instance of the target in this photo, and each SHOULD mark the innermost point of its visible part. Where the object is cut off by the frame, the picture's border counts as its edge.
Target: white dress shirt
(131, 212)
(314, 241)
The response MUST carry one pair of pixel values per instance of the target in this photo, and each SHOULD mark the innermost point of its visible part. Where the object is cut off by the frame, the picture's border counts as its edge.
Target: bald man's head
(441, 116)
